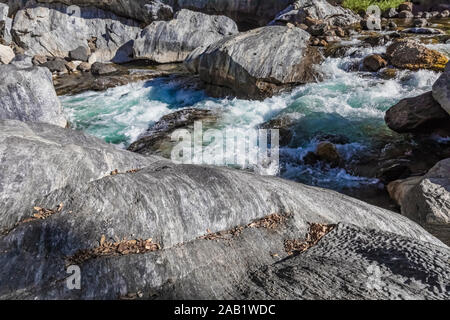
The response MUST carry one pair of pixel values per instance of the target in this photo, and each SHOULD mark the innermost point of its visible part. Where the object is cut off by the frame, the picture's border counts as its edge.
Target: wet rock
(80, 54)
(157, 139)
(29, 95)
(429, 200)
(284, 125)
(374, 62)
(416, 115)
(420, 23)
(441, 90)
(100, 69)
(84, 67)
(245, 65)
(326, 151)
(22, 61)
(173, 41)
(409, 54)
(6, 54)
(406, 6)
(394, 171)
(388, 73)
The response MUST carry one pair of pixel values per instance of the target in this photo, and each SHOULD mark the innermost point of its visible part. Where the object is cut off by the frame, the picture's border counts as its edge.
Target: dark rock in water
(100, 69)
(28, 95)
(326, 151)
(173, 41)
(80, 54)
(36, 159)
(22, 61)
(416, 115)
(284, 126)
(56, 65)
(157, 139)
(441, 89)
(374, 62)
(245, 65)
(409, 54)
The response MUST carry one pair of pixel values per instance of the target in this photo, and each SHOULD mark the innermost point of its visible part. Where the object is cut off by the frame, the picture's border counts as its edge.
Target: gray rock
(157, 139)
(319, 10)
(390, 13)
(50, 30)
(429, 200)
(173, 41)
(176, 205)
(37, 159)
(441, 89)
(418, 114)
(423, 31)
(22, 61)
(257, 63)
(80, 54)
(6, 54)
(100, 69)
(29, 95)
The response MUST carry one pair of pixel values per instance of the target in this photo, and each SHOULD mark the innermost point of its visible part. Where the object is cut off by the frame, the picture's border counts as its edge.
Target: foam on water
(347, 103)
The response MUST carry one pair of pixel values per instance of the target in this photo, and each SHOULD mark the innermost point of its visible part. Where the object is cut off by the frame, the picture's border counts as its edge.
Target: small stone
(100, 69)
(374, 62)
(6, 54)
(406, 15)
(38, 60)
(81, 53)
(84, 67)
(326, 151)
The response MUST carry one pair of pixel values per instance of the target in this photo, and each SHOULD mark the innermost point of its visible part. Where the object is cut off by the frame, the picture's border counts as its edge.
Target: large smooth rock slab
(28, 95)
(36, 159)
(429, 200)
(52, 29)
(441, 89)
(173, 41)
(300, 10)
(417, 114)
(257, 63)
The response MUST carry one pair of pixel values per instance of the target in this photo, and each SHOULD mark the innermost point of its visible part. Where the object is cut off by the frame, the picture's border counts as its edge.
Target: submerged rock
(257, 63)
(326, 151)
(173, 41)
(48, 29)
(441, 89)
(416, 115)
(409, 54)
(29, 95)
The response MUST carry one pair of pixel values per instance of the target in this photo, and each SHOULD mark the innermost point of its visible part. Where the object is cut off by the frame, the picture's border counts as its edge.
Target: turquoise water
(350, 104)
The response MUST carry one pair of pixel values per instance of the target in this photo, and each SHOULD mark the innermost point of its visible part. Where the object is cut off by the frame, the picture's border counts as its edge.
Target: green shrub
(357, 5)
